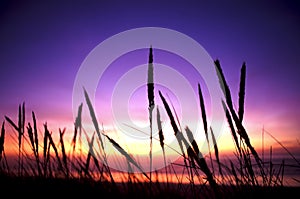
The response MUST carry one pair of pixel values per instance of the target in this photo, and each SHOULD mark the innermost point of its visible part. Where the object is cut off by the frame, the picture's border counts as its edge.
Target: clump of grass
(238, 123)
(52, 144)
(114, 143)
(241, 173)
(190, 151)
(34, 142)
(95, 122)
(20, 129)
(177, 133)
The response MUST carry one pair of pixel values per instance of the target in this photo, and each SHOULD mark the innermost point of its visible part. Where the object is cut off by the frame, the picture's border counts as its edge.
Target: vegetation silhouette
(49, 169)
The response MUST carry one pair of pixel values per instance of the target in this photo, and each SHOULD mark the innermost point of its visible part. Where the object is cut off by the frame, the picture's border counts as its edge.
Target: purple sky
(43, 44)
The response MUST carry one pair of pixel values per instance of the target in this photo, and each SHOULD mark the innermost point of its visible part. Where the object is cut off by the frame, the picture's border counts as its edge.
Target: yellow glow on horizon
(141, 148)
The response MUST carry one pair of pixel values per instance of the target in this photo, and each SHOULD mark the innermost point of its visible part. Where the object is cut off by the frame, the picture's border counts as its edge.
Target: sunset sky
(43, 45)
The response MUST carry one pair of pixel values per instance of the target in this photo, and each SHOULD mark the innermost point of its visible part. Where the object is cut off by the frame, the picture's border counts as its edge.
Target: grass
(49, 169)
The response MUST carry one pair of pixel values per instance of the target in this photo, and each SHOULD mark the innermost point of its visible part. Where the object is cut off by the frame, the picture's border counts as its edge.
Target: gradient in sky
(43, 45)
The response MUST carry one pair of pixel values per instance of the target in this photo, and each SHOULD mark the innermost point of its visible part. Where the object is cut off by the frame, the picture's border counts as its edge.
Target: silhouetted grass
(161, 141)
(245, 176)
(151, 104)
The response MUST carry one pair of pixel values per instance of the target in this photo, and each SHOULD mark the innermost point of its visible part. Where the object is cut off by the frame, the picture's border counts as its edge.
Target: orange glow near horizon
(225, 141)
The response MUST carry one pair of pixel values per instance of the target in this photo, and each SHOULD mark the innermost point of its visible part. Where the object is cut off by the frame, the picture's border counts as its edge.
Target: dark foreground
(72, 188)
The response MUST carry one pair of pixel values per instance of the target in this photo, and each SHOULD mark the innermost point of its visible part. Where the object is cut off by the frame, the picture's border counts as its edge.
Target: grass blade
(90, 153)
(12, 123)
(233, 133)
(290, 153)
(223, 84)
(20, 127)
(63, 151)
(176, 115)
(177, 133)
(126, 155)
(51, 143)
(45, 147)
(204, 120)
(20, 130)
(23, 118)
(93, 116)
(193, 156)
(192, 140)
(216, 150)
(36, 143)
(173, 123)
(77, 126)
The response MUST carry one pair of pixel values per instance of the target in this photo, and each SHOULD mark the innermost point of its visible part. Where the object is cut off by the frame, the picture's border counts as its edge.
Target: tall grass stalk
(242, 92)
(192, 155)
(52, 144)
(241, 130)
(2, 138)
(175, 113)
(177, 133)
(232, 129)
(77, 128)
(20, 129)
(45, 149)
(192, 161)
(32, 139)
(63, 151)
(95, 122)
(161, 141)
(126, 155)
(195, 147)
(151, 104)
(204, 121)
(36, 142)
(114, 143)
(192, 141)
(216, 151)
(2, 151)
(90, 153)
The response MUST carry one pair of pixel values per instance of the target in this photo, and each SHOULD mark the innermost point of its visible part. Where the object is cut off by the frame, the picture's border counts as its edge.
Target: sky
(44, 43)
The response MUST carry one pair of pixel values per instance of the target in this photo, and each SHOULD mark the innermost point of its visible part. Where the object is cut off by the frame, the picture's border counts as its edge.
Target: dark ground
(72, 188)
